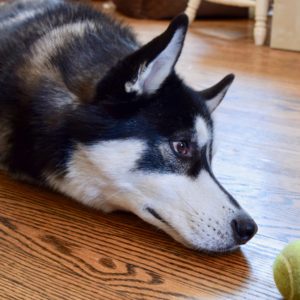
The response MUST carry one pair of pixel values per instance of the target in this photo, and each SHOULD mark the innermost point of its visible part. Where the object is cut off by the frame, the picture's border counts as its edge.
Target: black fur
(44, 136)
(71, 77)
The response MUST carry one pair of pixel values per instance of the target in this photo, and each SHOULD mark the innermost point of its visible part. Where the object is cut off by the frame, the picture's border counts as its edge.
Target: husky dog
(88, 111)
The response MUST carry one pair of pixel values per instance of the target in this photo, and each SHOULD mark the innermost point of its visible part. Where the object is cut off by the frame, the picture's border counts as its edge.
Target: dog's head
(152, 155)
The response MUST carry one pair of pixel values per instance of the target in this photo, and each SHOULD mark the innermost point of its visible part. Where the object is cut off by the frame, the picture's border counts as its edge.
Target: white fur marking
(99, 171)
(202, 131)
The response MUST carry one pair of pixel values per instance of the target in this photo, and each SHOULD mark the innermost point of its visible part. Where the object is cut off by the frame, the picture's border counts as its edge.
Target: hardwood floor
(54, 248)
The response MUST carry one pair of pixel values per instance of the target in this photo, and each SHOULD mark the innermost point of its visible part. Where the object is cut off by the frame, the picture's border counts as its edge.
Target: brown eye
(182, 148)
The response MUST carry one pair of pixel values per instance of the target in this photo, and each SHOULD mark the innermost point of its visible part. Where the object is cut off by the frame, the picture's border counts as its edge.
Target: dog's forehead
(181, 114)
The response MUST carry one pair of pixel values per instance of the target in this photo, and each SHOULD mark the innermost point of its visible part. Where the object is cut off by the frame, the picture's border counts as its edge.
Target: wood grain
(54, 248)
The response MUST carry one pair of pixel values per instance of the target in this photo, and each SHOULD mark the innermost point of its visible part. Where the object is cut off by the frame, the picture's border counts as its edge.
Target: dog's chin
(220, 250)
(213, 250)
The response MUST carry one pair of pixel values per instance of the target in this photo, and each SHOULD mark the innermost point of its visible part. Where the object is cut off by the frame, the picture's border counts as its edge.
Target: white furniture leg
(260, 28)
(191, 9)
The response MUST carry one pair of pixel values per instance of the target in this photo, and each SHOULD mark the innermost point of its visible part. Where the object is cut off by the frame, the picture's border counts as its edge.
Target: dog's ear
(156, 60)
(144, 71)
(215, 94)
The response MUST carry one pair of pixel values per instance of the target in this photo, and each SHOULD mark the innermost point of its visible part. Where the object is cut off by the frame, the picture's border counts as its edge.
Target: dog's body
(87, 111)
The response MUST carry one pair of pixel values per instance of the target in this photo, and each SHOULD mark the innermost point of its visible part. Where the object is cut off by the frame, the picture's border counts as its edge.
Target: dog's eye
(182, 148)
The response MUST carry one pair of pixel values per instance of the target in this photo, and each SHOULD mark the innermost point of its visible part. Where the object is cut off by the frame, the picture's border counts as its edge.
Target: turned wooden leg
(260, 28)
(191, 9)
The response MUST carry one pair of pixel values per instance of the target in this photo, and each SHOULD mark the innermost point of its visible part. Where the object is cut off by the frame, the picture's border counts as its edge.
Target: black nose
(244, 229)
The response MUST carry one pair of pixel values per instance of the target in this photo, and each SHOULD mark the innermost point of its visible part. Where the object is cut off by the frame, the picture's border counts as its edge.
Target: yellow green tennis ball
(286, 270)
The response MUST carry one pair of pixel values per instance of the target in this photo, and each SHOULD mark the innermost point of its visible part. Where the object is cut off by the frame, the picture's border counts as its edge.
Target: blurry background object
(153, 9)
(261, 13)
(108, 7)
(208, 8)
(286, 25)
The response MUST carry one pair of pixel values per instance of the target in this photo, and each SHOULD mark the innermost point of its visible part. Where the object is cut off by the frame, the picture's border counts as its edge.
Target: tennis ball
(286, 270)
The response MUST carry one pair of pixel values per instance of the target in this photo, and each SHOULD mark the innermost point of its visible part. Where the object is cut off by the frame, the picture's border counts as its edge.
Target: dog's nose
(244, 228)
